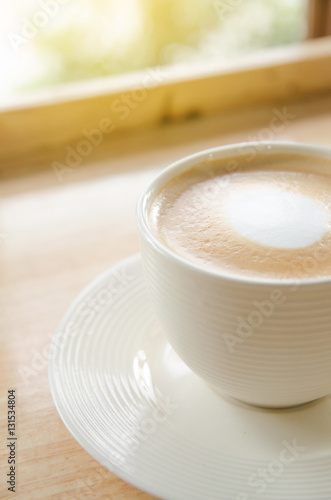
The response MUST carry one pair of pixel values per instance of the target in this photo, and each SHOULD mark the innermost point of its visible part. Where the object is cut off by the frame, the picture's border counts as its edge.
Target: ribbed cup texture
(265, 344)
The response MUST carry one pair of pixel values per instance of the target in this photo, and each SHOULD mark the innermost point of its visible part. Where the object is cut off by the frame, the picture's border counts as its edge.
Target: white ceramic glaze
(134, 406)
(262, 341)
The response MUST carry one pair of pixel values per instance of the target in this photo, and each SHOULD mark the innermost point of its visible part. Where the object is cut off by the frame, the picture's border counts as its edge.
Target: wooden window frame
(319, 18)
(42, 123)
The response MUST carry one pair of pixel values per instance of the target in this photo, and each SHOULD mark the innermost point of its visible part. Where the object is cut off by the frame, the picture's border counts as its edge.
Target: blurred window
(47, 42)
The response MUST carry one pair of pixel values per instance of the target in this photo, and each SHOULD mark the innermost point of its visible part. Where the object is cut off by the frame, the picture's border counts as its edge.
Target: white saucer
(138, 410)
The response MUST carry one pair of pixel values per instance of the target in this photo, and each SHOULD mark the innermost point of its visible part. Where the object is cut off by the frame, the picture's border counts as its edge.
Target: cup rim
(224, 151)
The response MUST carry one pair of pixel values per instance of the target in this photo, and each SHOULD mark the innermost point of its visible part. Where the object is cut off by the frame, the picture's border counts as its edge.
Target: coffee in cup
(236, 256)
(267, 218)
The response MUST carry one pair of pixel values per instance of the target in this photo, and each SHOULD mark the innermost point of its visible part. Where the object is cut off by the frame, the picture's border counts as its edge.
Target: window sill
(41, 122)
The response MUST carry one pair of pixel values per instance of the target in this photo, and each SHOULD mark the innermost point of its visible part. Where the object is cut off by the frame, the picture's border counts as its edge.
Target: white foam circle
(276, 218)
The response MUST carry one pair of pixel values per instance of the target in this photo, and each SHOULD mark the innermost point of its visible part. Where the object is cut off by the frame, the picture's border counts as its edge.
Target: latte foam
(268, 217)
(275, 217)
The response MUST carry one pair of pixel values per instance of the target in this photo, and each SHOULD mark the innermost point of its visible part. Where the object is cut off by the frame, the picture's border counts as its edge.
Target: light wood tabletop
(56, 236)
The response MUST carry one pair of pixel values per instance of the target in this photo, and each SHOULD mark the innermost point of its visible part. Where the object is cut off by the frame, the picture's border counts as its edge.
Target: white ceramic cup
(264, 341)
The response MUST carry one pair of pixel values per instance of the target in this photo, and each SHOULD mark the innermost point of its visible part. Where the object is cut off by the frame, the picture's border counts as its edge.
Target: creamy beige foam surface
(268, 217)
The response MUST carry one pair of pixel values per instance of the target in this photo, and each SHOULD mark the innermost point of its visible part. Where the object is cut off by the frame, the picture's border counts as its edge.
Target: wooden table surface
(55, 237)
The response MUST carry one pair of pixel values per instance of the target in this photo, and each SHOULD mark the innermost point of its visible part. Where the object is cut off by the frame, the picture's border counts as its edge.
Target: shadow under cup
(263, 341)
